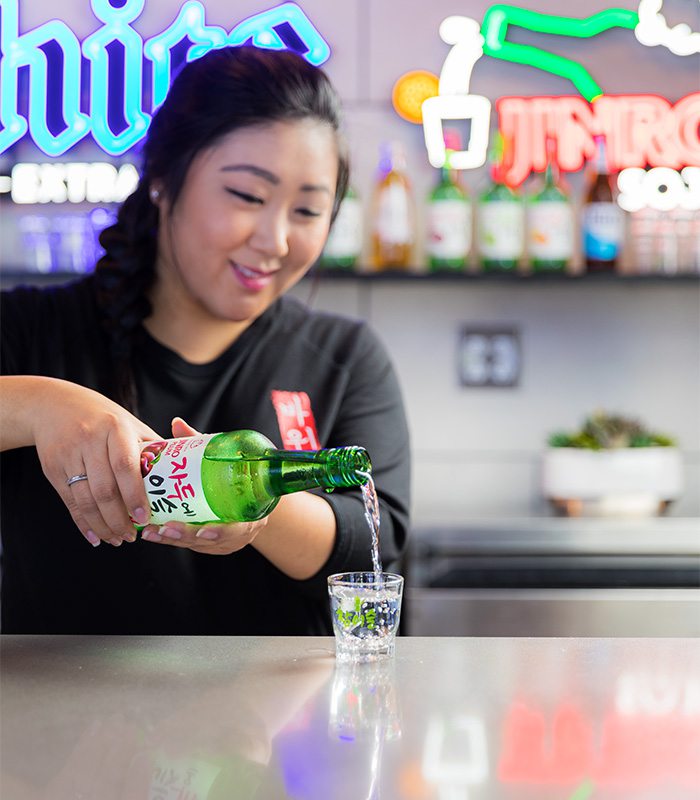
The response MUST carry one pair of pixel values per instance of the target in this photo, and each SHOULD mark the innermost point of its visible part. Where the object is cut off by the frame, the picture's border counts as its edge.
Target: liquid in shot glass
(366, 608)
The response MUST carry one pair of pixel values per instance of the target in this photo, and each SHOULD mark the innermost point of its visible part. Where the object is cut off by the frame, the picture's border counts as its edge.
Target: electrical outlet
(489, 356)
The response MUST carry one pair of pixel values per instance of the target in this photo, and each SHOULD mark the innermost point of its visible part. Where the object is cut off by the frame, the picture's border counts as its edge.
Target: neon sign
(639, 130)
(499, 18)
(115, 55)
(668, 135)
(661, 188)
(72, 182)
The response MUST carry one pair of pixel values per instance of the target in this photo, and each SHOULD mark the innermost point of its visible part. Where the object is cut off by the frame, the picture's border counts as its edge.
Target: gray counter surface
(165, 718)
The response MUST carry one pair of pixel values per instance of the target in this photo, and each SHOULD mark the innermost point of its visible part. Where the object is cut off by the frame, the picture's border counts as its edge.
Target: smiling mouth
(252, 278)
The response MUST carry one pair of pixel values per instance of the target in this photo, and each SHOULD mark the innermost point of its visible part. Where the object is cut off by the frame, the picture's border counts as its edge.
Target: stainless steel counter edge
(561, 535)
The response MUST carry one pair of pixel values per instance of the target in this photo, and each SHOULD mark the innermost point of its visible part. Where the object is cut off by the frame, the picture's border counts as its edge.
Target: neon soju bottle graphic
(602, 224)
(500, 220)
(344, 243)
(449, 218)
(238, 476)
(550, 222)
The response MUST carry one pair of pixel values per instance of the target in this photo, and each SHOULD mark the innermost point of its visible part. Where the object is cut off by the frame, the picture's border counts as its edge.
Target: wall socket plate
(489, 356)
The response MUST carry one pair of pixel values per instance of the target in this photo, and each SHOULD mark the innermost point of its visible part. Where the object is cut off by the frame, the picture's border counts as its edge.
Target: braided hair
(224, 90)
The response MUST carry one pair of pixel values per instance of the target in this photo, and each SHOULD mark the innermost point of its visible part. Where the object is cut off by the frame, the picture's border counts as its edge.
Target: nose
(271, 234)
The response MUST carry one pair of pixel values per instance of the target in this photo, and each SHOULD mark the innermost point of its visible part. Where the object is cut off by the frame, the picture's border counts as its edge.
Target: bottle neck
(601, 158)
(550, 175)
(298, 470)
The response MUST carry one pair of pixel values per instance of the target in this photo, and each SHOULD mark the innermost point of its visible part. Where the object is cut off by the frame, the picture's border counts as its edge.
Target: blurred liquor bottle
(393, 211)
(500, 219)
(344, 243)
(603, 220)
(550, 221)
(449, 216)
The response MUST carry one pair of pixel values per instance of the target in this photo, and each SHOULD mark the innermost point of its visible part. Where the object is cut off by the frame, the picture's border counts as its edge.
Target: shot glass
(366, 608)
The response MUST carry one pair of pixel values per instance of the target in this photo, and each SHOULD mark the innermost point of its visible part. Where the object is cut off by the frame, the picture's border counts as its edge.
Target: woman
(185, 318)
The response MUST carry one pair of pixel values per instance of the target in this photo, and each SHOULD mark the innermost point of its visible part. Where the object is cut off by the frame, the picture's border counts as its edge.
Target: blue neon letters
(285, 26)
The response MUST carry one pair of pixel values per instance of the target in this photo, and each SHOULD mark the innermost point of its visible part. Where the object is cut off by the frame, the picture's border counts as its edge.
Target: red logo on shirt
(296, 420)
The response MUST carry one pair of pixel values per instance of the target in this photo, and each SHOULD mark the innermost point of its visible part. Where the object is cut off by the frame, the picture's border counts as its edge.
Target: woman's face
(252, 217)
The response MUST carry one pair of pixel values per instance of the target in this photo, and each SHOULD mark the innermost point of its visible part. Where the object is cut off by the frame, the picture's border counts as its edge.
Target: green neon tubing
(498, 18)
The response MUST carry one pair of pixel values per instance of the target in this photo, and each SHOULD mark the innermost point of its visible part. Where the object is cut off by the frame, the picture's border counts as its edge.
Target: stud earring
(155, 194)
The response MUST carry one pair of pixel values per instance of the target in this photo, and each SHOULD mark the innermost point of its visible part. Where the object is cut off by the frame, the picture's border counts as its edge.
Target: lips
(252, 279)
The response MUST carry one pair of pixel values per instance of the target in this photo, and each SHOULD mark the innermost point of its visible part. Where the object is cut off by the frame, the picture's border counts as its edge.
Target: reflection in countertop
(180, 718)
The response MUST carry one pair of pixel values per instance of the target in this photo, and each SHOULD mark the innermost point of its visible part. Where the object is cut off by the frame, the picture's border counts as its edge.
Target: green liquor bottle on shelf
(344, 243)
(449, 219)
(238, 476)
(550, 222)
(500, 221)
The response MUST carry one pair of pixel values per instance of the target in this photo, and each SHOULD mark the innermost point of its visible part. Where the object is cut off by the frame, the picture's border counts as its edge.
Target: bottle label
(602, 230)
(179, 778)
(345, 238)
(449, 229)
(172, 475)
(501, 230)
(550, 231)
(393, 215)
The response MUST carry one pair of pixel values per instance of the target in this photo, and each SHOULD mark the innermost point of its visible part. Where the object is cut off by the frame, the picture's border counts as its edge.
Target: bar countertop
(189, 718)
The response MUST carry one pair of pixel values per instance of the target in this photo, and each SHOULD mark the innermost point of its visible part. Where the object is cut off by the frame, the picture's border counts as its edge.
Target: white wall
(628, 348)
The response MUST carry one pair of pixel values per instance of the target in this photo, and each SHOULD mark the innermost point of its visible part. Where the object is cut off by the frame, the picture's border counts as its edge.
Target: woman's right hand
(78, 431)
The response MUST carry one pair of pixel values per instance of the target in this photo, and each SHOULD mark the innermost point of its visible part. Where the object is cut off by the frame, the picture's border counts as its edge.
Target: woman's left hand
(218, 540)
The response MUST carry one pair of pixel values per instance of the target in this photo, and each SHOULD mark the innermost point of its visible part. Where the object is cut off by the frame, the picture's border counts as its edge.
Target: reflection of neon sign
(469, 41)
(115, 54)
(455, 756)
(649, 746)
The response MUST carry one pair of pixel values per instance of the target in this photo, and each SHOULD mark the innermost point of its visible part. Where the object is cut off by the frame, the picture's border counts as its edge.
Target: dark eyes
(248, 198)
(253, 200)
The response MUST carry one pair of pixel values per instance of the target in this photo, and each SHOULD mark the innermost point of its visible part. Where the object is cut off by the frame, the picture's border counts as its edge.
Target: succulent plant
(603, 431)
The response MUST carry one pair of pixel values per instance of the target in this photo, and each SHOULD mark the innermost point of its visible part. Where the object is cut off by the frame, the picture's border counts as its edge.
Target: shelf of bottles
(506, 234)
(542, 234)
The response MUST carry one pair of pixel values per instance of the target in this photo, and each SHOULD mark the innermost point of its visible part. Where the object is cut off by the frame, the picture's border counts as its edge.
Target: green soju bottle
(238, 476)
(344, 243)
(550, 223)
(500, 219)
(449, 223)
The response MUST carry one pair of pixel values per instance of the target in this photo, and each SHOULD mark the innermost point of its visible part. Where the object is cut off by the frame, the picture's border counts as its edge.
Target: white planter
(635, 480)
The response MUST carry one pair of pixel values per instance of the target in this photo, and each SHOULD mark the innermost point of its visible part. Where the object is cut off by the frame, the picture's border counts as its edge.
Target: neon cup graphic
(470, 41)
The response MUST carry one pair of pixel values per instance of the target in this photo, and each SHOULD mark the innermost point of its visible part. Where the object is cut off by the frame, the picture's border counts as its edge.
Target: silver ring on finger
(76, 479)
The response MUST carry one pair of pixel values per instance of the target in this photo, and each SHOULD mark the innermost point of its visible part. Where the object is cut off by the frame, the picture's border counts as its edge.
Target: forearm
(19, 398)
(299, 536)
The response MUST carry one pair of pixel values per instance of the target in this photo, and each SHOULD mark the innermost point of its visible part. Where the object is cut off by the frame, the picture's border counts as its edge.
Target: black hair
(224, 90)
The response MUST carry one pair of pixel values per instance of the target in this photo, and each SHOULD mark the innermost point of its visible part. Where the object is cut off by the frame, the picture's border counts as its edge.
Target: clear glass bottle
(602, 225)
(344, 243)
(550, 222)
(500, 221)
(393, 212)
(238, 476)
(449, 219)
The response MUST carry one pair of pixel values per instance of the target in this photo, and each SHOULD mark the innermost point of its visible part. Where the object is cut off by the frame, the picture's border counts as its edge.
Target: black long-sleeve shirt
(53, 581)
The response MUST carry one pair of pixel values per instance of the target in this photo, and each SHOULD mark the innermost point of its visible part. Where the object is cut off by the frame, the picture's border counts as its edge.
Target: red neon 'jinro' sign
(640, 130)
